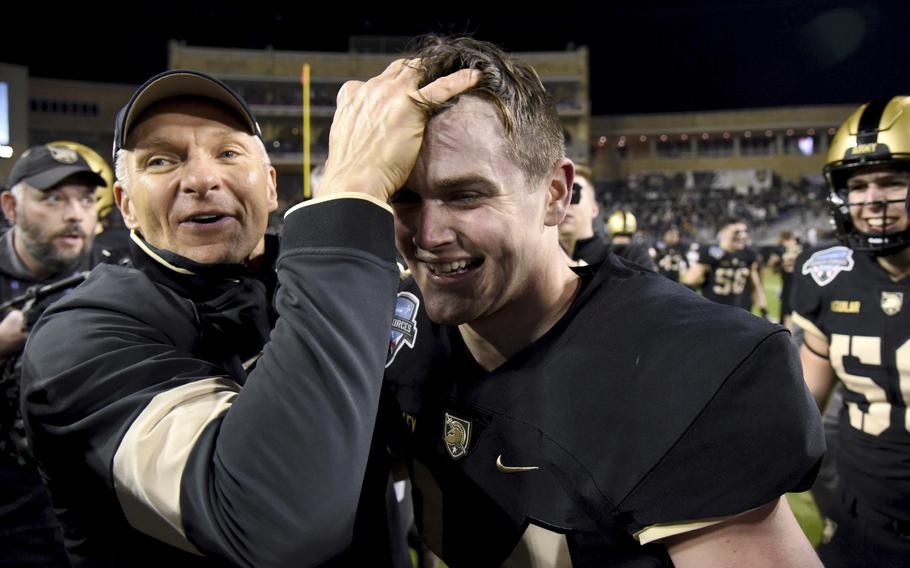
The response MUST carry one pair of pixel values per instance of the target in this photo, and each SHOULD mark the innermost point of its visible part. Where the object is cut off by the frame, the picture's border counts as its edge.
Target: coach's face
(468, 222)
(197, 183)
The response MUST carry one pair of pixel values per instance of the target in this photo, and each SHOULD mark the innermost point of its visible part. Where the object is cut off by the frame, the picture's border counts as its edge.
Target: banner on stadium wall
(741, 180)
(759, 179)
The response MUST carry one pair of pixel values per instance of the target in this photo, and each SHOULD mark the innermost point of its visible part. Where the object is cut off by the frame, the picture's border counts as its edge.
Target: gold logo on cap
(63, 155)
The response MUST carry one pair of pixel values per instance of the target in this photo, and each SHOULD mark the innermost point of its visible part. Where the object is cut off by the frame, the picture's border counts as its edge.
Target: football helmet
(622, 223)
(876, 134)
(105, 193)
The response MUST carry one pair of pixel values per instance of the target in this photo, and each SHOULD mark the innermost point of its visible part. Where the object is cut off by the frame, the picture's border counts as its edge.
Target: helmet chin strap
(879, 244)
(902, 242)
(888, 244)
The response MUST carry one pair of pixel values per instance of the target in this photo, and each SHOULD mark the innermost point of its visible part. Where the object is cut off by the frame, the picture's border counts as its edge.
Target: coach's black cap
(179, 83)
(43, 167)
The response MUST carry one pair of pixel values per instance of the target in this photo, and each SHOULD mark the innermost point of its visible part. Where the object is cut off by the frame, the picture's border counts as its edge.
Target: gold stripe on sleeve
(149, 463)
(663, 530)
(808, 326)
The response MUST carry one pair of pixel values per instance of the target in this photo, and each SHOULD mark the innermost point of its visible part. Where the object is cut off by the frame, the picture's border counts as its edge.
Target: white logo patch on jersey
(892, 302)
(404, 325)
(825, 265)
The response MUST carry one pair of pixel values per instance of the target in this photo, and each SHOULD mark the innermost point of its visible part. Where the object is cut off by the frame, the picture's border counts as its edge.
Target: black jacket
(165, 436)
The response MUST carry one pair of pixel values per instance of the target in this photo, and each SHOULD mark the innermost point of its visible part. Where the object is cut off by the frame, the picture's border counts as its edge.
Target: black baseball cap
(179, 83)
(43, 167)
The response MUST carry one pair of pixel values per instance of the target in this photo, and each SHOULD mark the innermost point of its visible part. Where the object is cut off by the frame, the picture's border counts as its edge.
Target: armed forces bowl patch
(404, 325)
(457, 435)
(825, 265)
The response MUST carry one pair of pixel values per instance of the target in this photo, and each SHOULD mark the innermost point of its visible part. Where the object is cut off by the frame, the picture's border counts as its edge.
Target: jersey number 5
(868, 351)
(730, 280)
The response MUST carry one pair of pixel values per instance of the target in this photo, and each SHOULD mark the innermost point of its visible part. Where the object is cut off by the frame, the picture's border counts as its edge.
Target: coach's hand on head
(378, 128)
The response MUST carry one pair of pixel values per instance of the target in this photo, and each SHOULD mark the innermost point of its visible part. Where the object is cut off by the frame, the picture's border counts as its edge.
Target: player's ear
(559, 191)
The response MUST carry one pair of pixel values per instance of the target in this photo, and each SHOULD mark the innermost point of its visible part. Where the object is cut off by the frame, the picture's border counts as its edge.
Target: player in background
(849, 301)
(670, 255)
(728, 271)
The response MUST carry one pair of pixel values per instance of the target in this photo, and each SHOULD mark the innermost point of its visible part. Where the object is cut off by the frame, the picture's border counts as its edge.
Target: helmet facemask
(877, 135)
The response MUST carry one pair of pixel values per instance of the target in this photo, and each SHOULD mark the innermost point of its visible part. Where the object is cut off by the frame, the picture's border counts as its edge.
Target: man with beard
(51, 207)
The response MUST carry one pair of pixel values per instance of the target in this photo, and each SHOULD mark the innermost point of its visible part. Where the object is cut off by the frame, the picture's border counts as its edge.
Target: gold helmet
(622, 223)
(104, 194)
(877, 133)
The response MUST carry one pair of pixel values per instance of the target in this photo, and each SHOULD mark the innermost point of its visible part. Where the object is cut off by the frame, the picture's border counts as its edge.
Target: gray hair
(18, 192)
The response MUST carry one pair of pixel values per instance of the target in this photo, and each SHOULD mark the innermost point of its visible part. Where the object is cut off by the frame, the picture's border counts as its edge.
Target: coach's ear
(559, 191)
(125, 204)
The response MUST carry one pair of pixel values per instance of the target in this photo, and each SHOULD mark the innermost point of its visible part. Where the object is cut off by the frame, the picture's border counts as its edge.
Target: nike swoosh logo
(511, 469)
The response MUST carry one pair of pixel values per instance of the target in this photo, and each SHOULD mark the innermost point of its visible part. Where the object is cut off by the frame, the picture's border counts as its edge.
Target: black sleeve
(639, 254)
(272, 471)
(758, 438)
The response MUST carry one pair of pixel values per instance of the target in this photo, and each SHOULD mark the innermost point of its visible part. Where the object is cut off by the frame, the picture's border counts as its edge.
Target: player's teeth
(876, 221)
(447, 267)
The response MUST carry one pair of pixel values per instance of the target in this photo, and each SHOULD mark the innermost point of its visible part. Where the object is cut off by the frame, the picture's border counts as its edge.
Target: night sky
(644, 56)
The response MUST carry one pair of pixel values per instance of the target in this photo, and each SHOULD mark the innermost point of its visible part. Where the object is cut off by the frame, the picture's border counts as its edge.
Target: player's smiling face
(877, 198)
(198, 184)
(469, 224)
(734, 237)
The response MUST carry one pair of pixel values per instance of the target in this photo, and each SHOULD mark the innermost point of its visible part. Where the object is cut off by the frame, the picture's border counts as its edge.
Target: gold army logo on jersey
(892, 302)
(456, 435)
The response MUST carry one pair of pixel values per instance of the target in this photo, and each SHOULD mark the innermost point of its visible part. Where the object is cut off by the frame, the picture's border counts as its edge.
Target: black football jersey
(593, 434)
(788, 255)
(595, 249)
(670, 260)
(848, 299)
(727, 277)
